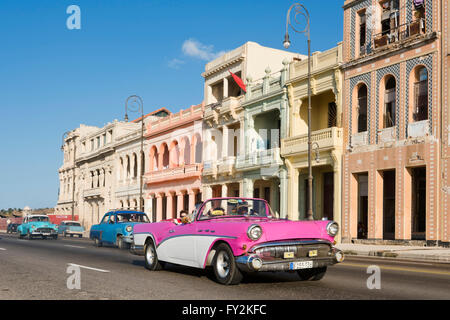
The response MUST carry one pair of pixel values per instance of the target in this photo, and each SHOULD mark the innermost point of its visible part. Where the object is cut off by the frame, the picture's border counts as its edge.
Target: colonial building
(326, 136)
(224, 116)
(392, 173)
(265, 116)
(174, 153)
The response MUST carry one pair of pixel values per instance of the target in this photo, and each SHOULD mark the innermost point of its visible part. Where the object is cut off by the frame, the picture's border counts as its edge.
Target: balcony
(400, 33)
(326, 139)
(387, 134)
(226, 165)
(92, 193)
(227, 105)
(178, 173)
(259, 158)
(360, 139)
(418, 129)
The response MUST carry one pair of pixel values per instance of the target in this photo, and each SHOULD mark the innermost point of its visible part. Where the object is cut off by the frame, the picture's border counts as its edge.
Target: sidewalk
(431, 254)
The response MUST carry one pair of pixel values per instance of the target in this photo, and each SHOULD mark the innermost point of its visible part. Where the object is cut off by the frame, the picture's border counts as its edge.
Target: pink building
(173, 178)
(395, 80)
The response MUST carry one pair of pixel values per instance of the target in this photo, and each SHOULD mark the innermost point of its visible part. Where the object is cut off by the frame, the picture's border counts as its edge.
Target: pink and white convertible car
(236, 235)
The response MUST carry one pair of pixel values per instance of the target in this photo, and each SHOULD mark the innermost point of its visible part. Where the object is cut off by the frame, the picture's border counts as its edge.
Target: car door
(61, 228)
(178, 245)
(109, 229)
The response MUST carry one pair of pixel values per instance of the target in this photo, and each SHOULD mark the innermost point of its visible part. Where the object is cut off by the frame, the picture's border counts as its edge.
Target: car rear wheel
(151, 258)
(313, 274)
(120, 243)
(97, 242)
(29, 237)
(225, 268)
(20, 235)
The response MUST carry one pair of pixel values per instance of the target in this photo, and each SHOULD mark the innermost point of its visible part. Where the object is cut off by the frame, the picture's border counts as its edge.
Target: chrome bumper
(137, 250)
(246, 263)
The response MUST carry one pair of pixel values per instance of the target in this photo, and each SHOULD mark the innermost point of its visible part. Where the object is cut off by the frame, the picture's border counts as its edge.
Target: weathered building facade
(392, 170)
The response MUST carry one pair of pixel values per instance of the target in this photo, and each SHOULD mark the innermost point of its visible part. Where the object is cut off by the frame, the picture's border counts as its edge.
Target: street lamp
(134, 103)
(300, 9)
(66, 134)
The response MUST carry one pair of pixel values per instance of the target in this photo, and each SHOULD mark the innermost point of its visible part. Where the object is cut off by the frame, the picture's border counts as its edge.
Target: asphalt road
(37, 269)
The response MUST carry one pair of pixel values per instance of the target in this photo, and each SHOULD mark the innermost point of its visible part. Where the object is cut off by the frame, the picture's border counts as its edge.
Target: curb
(399, 256)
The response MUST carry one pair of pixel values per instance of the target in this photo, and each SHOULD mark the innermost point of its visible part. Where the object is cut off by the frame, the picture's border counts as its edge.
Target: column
(248, 188)
(225, 88)
(207, 192)
(191, 200)
(283, 193)
(293, 212)
(337, 197)
(169, 199)
(274, 199)
(378, 221)
(407, 201)
(159, 207)
(179, 203)
(224, 142)
(224, 190)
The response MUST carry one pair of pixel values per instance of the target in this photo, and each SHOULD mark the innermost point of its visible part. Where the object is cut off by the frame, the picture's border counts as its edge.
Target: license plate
(46, 234)
(288, 255)
(300, 265)
(312, 253)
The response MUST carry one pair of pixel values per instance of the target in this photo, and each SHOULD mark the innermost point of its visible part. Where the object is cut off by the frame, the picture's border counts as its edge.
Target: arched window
(362, 108)
(187, 151)
(142, 163)
(421, 94)
(165, 157)
(389, 102)
(128, 167)
(135, 165)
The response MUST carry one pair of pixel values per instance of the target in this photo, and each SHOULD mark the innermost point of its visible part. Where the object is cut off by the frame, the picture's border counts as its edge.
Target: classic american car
(12, 227)
(236, 236)
(71, 228)
(37, 226)
(116, 228)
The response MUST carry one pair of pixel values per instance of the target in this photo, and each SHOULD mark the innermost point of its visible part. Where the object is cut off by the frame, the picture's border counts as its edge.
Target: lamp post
(134, 103)
(300, 9)
(73, 170)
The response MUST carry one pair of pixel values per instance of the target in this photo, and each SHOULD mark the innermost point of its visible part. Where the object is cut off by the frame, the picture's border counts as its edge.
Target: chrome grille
(44, 230)
(299, 250)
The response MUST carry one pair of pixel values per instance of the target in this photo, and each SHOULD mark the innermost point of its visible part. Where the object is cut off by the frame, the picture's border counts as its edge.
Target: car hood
(277, 229)
(42, 224)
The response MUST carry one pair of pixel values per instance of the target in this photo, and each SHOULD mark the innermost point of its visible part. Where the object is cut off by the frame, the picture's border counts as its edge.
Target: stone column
(224, 142)
(180, 203)
(224, 190)
(169, 206)
(378, 221)
(159, 207)
(225, 88)
(283, 193)
(191, 200)
(207, 192)
(248, 188)
(337, 183)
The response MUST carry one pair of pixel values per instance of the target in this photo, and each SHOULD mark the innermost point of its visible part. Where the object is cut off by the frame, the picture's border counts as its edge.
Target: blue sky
(52, 78)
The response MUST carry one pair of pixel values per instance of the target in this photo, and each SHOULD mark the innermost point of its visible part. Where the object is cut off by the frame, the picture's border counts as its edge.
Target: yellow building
(326, 135)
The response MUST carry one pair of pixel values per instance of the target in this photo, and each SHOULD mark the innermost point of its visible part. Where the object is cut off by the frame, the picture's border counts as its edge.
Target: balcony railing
(418, 129)
(174, 173)
(360, 139)
(402, 32)
(325, 138)
(93, 192)
(259, 158)
(387, 134)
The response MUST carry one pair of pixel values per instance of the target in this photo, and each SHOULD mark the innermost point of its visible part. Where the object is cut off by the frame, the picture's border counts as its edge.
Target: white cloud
(175, 63)
(196, 49)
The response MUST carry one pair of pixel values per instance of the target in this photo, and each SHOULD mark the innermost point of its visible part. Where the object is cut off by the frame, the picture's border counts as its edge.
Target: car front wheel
(225, 268)
(314, 274)
(151, 258)
(97, 242)
(120, 243)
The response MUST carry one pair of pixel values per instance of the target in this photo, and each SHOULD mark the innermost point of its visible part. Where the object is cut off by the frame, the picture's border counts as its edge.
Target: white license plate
(46, 234)
(300, 265)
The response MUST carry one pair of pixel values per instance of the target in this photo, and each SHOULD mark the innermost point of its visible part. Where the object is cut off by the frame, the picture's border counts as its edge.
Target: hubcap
(223, 264)
(150, 256)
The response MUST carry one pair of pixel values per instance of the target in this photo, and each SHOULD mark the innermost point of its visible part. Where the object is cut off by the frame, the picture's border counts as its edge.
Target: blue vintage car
(71, 228)
(116, 228)
(37, 226)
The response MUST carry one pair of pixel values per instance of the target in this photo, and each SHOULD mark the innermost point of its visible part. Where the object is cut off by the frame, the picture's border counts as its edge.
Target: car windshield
(225, 208)
(73, 224)
(131, 217)
(40, 219)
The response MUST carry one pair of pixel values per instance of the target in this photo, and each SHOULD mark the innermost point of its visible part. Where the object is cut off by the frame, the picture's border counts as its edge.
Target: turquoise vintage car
(116, 228)
(37, 226)
(71, 228)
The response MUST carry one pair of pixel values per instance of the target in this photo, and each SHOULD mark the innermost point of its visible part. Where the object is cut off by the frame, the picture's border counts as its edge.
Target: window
(104, 139)
(362, 32)
(332, 114)
(421, 94)
(98, 142)
(389, 103)
(362, 108)
(92, 144)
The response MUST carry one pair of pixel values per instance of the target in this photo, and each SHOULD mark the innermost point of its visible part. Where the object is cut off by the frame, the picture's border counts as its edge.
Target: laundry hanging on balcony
(238, 81)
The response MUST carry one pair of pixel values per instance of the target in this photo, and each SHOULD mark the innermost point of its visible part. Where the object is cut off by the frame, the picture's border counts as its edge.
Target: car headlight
(33, 226)
(129, 228)
(332, 228)
(254, 232)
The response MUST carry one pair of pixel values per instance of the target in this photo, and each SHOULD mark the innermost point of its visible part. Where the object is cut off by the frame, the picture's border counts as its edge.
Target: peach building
(173, 173)
(392, 119)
